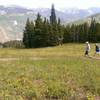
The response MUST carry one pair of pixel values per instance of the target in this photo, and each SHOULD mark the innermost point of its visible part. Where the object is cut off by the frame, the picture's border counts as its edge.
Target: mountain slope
(13, 25)
(88, 19)
(3, 35)
(13, 18)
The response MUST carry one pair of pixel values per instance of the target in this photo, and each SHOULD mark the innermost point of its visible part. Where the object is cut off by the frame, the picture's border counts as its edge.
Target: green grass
(62, 73)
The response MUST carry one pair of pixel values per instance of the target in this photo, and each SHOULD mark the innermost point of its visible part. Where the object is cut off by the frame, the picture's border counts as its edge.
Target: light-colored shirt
(87, 47)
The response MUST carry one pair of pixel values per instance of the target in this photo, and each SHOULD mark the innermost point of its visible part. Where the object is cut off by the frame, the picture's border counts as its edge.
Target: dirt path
(35, 58)
(93, 57)
(23, 58)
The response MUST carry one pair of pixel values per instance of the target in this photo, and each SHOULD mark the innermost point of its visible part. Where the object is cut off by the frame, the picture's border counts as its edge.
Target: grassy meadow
(52, 73)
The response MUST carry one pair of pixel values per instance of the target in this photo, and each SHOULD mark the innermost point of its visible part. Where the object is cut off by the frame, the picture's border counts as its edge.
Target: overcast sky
(58, 3)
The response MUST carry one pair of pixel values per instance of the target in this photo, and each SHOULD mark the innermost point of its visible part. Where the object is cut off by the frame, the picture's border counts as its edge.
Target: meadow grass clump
(56, 90)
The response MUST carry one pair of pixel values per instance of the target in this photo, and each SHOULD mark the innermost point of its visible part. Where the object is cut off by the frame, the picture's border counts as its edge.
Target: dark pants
(86, 52)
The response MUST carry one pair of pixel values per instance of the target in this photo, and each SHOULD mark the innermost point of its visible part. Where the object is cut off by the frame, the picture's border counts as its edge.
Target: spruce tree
(28, 34)
(25, 35)
(31, 35)
(92, 35)
(67, 34)
(38, 31)
(54, 37)
(40, 37)
(97, 32)
(60, 31)
(53, 15)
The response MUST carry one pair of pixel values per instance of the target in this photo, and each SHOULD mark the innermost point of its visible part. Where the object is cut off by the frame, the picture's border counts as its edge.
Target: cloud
(58, 3)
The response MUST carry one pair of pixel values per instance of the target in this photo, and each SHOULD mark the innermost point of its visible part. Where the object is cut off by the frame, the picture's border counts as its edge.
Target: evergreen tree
(92, 35)
(67, 34)
(53, 34)
(73, 33)
(46, 30)
(31, 35)
(41, 34)
(53, 15)
(97, 32)
(38, 31)
(60, 31)
(86, 32)
(28, 34)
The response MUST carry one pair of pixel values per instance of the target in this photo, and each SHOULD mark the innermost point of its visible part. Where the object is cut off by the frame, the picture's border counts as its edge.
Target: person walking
(87, 48)
(97, 49)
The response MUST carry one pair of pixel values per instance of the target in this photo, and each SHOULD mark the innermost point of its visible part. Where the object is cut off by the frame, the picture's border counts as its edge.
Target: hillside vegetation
(61, 73)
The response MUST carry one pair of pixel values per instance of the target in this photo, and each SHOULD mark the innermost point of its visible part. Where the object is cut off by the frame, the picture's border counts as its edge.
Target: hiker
(97, 49)
(87, 49)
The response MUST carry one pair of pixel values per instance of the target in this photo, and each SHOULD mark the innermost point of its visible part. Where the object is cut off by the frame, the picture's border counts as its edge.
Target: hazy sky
(58, 3)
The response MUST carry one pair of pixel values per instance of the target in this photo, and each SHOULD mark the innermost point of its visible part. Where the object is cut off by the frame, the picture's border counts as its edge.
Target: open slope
(54, 73)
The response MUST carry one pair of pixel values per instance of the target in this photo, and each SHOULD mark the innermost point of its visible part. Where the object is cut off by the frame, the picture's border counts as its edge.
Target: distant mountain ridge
(87, 19)
(13, 18)
(14, 9)
(66, 14)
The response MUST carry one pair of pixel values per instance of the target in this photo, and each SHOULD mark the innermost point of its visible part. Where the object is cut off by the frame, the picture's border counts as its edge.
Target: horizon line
(14, 5)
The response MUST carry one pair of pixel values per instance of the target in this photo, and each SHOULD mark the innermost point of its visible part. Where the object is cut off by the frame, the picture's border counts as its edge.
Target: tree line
(50, 32)
(83, 32)
(43, 32)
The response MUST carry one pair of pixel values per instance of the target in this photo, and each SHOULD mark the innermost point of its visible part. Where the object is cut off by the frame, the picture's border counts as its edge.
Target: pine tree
(97, 32)
(41, 34)
(38, 31)
(45, 28)
(53, 15)
(60, 31)
(31, 35)
(92, 35)
(25, 35)
(53, 34)
(67, 34)
(28, 34)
